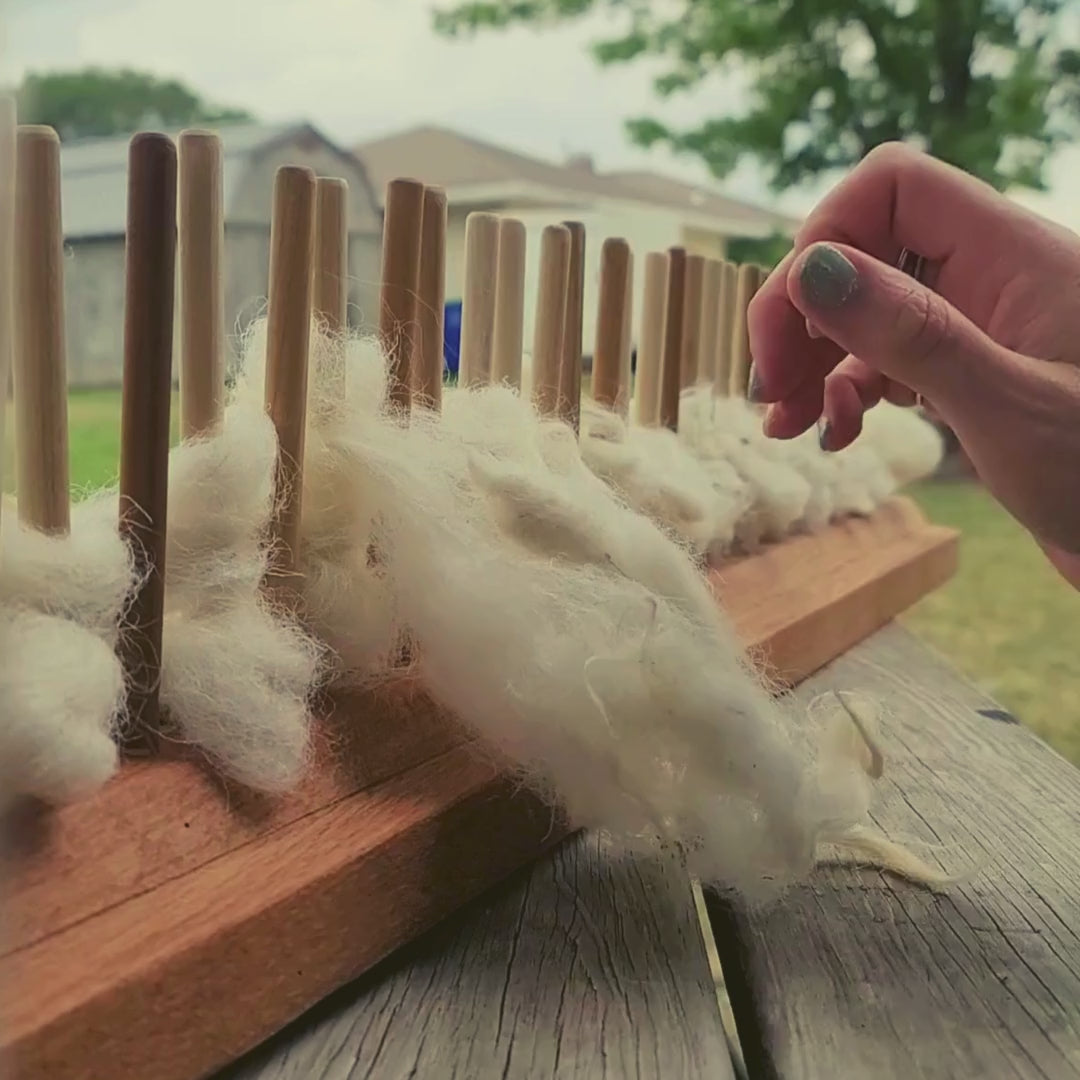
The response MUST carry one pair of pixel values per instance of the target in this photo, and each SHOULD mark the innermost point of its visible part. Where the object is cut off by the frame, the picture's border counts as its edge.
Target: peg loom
(173, 920)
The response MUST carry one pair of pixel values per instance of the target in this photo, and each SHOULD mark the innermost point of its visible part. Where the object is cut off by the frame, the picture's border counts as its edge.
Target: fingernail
(824, 428)
(812, 331)
(753, 392)
(828, 279)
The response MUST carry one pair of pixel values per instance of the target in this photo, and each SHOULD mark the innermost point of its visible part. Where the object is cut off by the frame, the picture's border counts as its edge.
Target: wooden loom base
(170, 923)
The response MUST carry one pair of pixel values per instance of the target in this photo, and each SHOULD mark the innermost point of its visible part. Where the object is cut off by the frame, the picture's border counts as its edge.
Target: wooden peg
(288, 339)
(39, 360)
(725, 330)
(710, 316)
(691, 335)
(478, 303)
(8, 121)
(550, 317)
(651, 341)
(626, 346)
(149, 300)
(427, 373)
(330, 288)
(747, 285)
(610, 318)
(569, 395)
(509, 331)
(202, 284)
(402, 225)
(670, 378)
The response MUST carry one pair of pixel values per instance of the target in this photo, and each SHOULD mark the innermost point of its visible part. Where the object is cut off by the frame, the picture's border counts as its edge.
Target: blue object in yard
(452, 335)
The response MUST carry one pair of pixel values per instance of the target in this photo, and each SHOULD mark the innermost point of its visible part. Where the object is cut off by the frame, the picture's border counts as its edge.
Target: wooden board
(856, 974)
(189, 871)
(583, 967)
(799, 604)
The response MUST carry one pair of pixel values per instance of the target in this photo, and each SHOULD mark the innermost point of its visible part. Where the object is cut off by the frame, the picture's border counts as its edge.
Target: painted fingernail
(828, 279)
(753, 392)
(824, 429)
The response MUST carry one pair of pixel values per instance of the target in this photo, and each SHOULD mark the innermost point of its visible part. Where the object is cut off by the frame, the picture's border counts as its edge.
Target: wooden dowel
(626, 346)
(725, 330)
(330, 288)
(710, 316)
(691, 339)
(202, 283)
(428, 359)
(569, 395)
(610, 317)
(509, 332)
(478, 303)
(8, 122)
(288, 337)
(149, 299)
(550, 321)
(39, 360)
(651, 340)
(746, 286)
(673, 329)
(402, 224)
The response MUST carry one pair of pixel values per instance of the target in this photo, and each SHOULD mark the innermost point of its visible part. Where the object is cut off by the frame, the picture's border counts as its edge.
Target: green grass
(1006, 619)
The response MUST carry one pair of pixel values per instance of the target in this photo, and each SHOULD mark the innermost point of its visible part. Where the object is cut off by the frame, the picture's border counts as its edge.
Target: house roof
(463, 165)
(94, 173)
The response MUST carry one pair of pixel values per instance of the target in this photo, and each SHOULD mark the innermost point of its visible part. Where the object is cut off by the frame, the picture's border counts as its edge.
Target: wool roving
(571, 634)
(905, 440)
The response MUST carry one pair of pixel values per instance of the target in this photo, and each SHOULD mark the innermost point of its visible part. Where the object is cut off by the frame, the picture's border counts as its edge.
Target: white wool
(62, 692)
(576, 638)
(237, 672)
(906, 441)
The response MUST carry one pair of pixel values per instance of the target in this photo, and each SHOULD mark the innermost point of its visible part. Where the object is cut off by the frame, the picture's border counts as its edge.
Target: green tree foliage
(99, 102)
(989, 85)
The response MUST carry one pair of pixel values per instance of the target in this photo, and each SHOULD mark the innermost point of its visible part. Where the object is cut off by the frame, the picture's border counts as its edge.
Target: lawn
(1006, 619)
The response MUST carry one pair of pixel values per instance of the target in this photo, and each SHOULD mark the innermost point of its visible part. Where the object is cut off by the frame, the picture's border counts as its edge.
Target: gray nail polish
(753, 393)
(823, 430)
(828, 280)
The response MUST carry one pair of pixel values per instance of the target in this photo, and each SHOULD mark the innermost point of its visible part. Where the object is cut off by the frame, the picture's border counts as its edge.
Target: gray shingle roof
(448, 158)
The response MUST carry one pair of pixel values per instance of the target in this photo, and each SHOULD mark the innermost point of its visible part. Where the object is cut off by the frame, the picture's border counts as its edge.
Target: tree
(99, 102)
(988, 85)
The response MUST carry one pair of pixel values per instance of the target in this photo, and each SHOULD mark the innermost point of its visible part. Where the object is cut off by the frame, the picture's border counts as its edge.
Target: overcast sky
(359, 68)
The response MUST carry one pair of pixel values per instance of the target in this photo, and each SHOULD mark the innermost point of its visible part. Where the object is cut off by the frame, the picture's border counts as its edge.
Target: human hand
(992, 341)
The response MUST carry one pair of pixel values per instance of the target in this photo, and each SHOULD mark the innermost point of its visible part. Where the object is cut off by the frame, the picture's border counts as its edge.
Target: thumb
(895, 324)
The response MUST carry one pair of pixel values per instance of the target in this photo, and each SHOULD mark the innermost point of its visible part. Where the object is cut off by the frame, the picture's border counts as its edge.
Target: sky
(357, 69)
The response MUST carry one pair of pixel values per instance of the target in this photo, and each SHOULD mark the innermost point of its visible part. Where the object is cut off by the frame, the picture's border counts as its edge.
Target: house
(651, 211)
(94, 198)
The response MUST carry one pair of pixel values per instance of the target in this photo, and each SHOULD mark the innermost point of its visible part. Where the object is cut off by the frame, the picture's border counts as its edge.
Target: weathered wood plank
(586, 965)
(857, 975)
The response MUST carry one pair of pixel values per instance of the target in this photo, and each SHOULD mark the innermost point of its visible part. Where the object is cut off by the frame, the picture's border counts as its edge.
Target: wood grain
(428, 361)
(201, 220)
(858, 974)
(149, 301)
(182, 979)
(651, 341)
(691, 333)
(610, 319)
(673, 333)
(569, 393)
(865, 572)
(403, 219)
(509, 330)
(550, 322)
(288, 341)
(39, 372)
(478, 303)
(587, 965)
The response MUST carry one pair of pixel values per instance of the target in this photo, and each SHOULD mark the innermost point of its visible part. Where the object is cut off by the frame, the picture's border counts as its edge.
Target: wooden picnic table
(588, 965)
